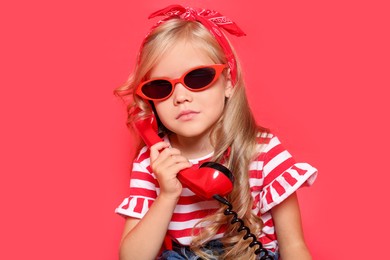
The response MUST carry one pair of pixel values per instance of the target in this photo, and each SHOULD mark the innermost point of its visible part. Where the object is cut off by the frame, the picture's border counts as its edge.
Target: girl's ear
(229, 85)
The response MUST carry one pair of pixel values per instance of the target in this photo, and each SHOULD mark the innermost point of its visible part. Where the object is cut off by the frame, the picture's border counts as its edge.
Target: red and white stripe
(274, 176)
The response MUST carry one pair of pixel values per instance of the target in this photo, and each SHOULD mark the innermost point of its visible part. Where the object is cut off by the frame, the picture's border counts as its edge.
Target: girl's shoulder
(267, 142)
(264, 137)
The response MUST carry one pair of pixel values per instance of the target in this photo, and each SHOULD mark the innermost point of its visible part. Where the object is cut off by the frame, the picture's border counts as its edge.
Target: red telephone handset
(210, 179)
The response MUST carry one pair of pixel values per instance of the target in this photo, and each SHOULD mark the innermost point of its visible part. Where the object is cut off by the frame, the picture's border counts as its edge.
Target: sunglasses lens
(199, 78)
(157, 89)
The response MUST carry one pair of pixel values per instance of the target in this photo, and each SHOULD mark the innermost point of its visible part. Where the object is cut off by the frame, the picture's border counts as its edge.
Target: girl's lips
(187, 115)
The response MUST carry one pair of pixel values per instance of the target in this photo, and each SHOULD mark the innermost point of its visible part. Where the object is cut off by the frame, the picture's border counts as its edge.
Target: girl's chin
(191, 133)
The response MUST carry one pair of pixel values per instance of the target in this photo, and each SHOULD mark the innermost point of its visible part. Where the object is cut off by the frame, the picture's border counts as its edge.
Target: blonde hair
(236, 131)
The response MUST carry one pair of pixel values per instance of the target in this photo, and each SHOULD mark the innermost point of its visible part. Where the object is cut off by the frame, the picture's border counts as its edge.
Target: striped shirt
(274, 175)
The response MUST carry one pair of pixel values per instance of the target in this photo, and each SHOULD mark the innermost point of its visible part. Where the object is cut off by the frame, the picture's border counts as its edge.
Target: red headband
(210, 19)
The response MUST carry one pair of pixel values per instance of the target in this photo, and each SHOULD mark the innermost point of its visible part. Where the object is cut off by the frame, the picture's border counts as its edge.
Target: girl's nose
(181, 94)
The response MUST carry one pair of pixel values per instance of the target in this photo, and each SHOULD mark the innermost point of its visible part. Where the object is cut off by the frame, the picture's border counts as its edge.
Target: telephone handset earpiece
(209, 179)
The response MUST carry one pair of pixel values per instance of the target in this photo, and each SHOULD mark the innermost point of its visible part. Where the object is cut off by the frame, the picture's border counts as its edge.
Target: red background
(316, 74)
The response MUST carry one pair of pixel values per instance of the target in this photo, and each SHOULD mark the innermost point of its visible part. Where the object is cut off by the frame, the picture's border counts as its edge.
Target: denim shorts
(214, 248)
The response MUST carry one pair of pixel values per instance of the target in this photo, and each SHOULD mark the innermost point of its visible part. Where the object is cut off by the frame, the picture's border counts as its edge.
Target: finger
(178, 158)
(170, 166)
(177, 167)
(156, 149)
(166, 161)
(170, 151)
(167, 153)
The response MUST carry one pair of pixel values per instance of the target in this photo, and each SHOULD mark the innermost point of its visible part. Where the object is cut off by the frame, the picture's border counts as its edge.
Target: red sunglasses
(196, 79)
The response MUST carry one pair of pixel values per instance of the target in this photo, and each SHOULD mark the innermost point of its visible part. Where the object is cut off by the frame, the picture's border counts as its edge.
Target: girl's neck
(192, 147)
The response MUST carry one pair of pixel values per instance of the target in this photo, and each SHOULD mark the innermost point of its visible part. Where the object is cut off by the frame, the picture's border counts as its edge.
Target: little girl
(188, 76)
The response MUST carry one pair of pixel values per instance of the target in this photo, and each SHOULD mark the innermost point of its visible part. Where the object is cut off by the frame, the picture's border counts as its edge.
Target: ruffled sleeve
(281, 175)
(143, 188)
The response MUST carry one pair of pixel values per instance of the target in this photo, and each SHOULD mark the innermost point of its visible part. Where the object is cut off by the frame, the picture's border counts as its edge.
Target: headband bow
(213, 21)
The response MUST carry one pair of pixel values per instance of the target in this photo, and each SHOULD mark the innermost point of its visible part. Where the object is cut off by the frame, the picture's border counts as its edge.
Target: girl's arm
(288, 226)
(142, 238)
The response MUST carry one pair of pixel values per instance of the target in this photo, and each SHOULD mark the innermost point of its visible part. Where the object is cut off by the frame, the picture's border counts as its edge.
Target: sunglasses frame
(219, 68)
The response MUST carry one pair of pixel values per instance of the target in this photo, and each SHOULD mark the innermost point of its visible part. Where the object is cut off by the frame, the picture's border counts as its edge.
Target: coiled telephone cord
(242, 227)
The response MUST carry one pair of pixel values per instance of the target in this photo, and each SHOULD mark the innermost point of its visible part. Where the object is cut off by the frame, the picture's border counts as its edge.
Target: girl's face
(186, 113)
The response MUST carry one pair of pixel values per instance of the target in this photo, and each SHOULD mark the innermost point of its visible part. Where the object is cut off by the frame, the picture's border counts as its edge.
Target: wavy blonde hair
(235, 130)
